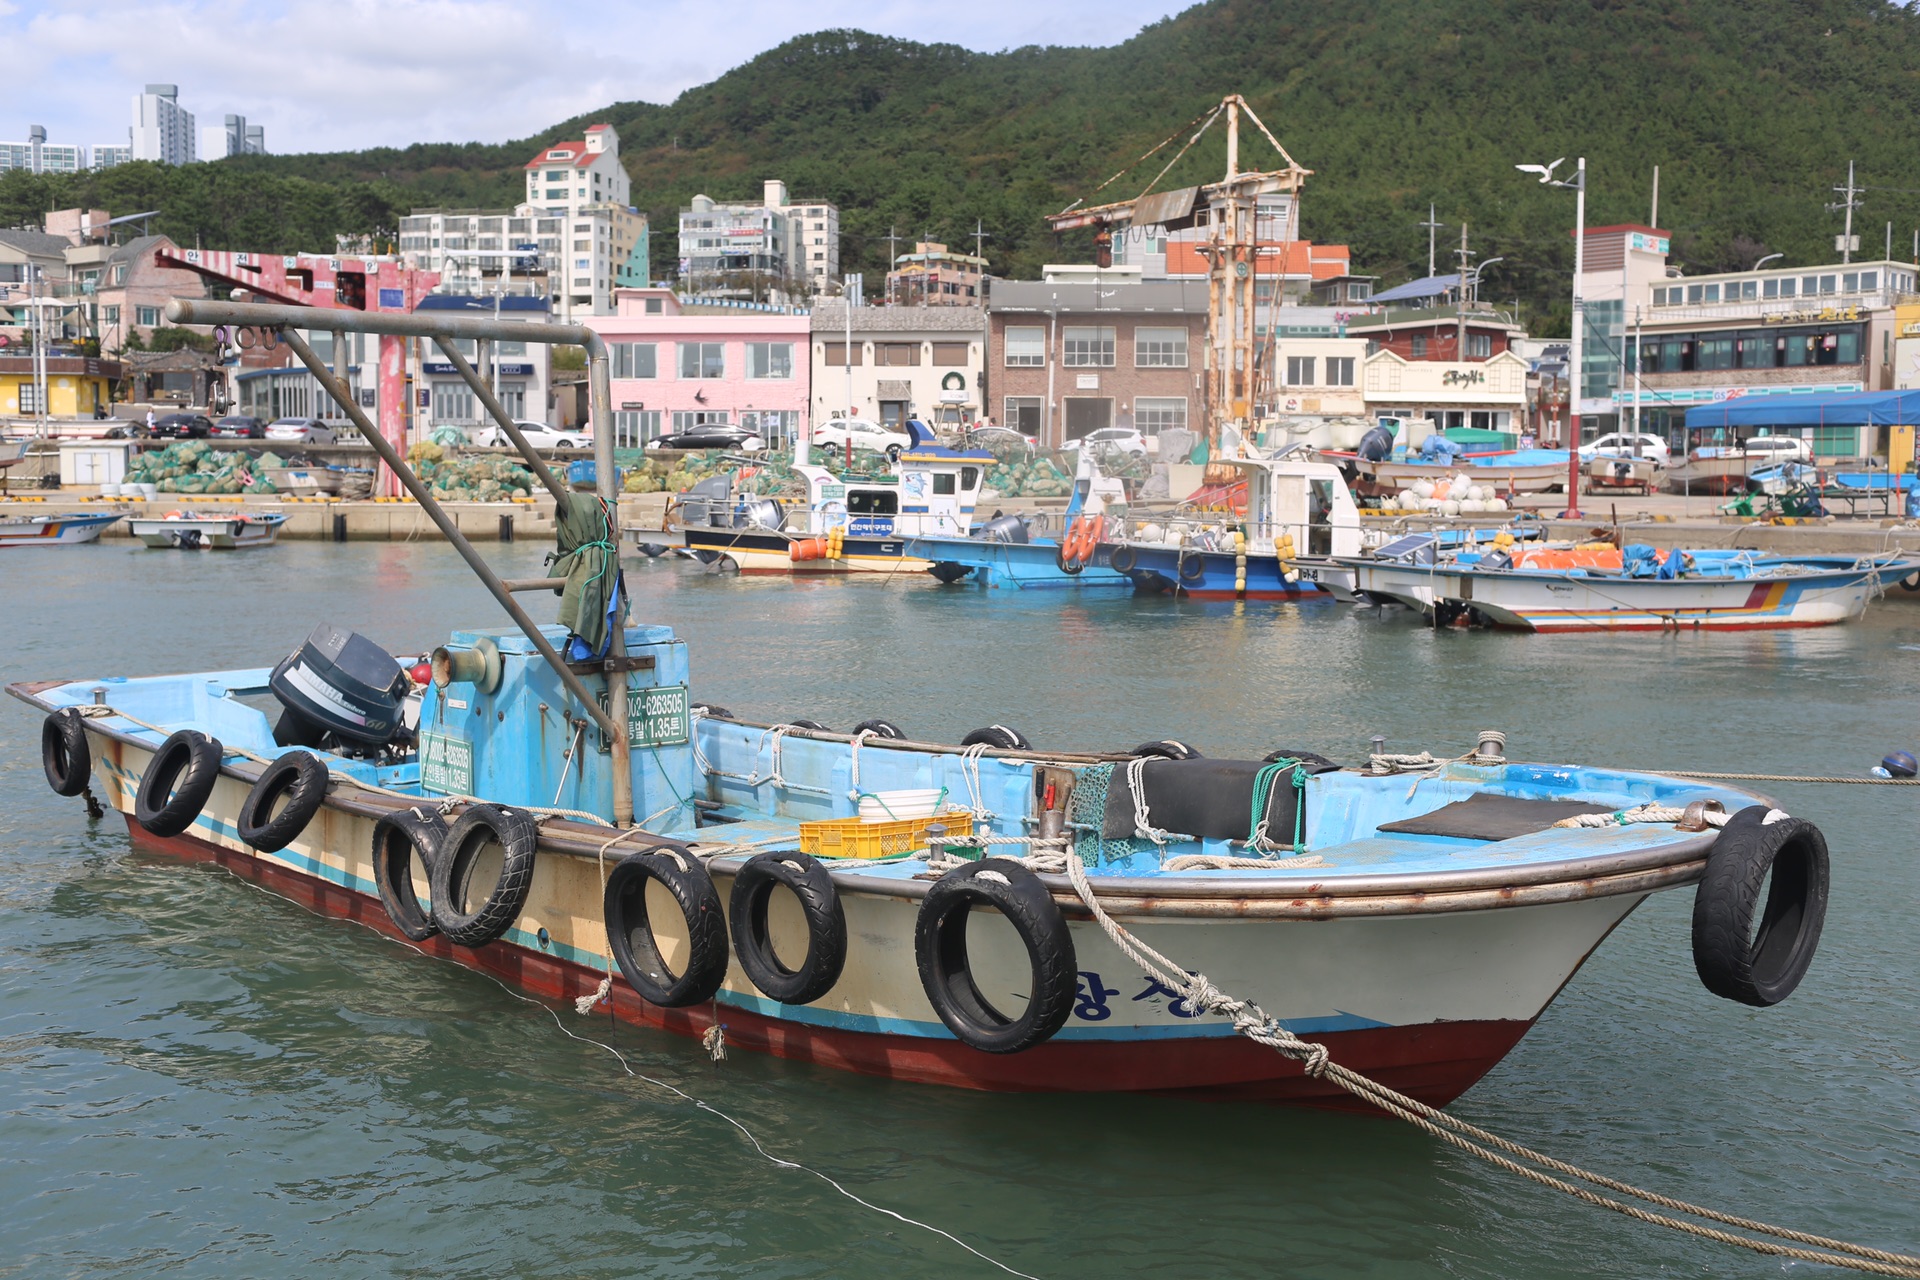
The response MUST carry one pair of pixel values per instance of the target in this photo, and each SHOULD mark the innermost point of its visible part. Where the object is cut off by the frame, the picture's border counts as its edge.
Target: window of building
(513, 398)
(632, 428)
(834, 354)
(950, 354)
(1023, 414)
(684, 418)
(634, 360)
(556, 175)
(147, 315)
(653, 306)
(1026, 348)
(1418, 346)
(1087, 347)
(29, 397)
(453, 402)
(896, 354)
(1749, 289)
(120, 274)
(1479, 346)
(1869, 280)
(1160, 413)
(703, 360)
(1339, 371)
(769, 359)
(1696, 292)
(110, 314)
(1713, 353)
(1300, 371)
(1770, 289)
(1160, 348)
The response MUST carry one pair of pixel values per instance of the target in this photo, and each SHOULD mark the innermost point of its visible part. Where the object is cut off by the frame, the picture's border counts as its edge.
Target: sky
(348, 74)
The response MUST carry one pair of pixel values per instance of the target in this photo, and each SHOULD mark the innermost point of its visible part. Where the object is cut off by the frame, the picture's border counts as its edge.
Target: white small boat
(208, 530)
(1504, 473)
(1612, 474)
(66, 529)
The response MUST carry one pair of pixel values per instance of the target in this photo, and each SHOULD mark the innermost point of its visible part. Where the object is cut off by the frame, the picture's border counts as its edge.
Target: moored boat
(1604, 589)
(208, 530)
(66, 529)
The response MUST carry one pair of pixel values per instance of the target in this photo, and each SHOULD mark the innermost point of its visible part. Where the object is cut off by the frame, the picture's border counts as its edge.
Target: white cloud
(326, 75)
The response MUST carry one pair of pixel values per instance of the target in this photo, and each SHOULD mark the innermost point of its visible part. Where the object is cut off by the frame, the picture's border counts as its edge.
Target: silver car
(301, 430)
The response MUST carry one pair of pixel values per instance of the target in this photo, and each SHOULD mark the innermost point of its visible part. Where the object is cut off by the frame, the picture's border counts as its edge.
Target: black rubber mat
(1491, 817)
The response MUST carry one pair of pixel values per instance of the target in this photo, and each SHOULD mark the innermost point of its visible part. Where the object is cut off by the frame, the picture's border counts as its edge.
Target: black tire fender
(301, 780)
(880, 728)
(712, 712)
(997, 735)
(630, 932)
(826, 926)
(1165, 749)
(813, 725)
(64, 753)
(397, 839)
(1065, 563)
(1304, 757)
(1737, 960)
(471, 832)
(178, 783)
(940, 949)
(1195, 559)
(1122, 559)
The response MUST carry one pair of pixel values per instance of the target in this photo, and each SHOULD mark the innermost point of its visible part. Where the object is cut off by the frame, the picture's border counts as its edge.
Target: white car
(1779, 448)
(538, 434)
(1627, 444)
(302, 430)
(1112, 440)
(835, 432)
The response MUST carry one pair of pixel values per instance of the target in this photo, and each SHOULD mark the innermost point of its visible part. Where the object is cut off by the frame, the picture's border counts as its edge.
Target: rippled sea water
(198, 1078)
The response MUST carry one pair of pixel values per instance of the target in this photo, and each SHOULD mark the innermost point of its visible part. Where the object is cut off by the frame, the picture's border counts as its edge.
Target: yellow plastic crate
(852, 838)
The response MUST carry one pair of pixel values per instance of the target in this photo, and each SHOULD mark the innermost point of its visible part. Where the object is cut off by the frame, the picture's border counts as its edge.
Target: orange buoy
(807, 549)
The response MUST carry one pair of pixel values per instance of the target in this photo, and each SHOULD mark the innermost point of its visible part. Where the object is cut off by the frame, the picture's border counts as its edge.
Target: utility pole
(1460, 298)
(893, 239)
(1852, 202)
(1432, 225)
(979, 235)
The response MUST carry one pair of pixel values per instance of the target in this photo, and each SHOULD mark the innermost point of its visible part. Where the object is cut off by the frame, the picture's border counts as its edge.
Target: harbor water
(200, 1079)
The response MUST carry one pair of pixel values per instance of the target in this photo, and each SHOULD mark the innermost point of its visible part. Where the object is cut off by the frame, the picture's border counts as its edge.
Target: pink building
(678, 364)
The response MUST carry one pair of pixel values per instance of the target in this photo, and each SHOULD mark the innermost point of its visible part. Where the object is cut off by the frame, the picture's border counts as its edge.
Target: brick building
(1065, 359)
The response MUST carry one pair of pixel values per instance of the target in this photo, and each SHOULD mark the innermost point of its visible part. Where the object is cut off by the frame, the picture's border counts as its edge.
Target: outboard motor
(339, 689)
(709, 498)
(1376, 444)
(765, 513)
(1004, 528)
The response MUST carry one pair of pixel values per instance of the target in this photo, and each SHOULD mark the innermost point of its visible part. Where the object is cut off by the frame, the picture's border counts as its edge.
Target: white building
(921, 362)
(737, 249)
(108, 154)
(234, 137)
(575, 258)
(162, 129)
(37, 155)
(572, 175)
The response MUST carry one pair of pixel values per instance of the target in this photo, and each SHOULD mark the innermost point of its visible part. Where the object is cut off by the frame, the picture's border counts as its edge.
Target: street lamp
(1579, 184)
(1764, 261)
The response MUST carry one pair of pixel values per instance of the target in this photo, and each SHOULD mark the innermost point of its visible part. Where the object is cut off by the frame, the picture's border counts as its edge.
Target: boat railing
(286, 322)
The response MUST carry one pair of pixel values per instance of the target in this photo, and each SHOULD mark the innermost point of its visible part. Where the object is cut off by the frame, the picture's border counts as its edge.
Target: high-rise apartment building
(162, 129)
(108, 154)
(37, 155)
(576, 258)
(233, 137)
(738, 249)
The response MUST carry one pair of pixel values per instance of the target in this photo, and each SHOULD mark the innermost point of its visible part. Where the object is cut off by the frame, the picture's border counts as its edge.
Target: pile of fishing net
(456, 479)
(194, 466)
(1019, 476)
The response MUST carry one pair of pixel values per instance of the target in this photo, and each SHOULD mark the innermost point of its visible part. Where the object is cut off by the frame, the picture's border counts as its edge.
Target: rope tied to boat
(1257, 817)
(1200, 995)
(1697, 816)
(1143, 828)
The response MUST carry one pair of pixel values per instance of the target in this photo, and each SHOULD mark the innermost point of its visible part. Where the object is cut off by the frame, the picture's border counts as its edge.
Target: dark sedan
(183, 426)
(711, 435)
(241, 427)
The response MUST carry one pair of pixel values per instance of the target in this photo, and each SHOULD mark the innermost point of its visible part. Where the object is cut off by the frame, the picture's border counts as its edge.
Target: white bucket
(889, 806)
(109, 490)
(150, 492)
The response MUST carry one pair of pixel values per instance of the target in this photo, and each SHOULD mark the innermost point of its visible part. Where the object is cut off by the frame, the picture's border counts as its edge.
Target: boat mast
(1230, 210)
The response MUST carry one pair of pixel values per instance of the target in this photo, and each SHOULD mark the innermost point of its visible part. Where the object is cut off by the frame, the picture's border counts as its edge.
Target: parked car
(183, 426)
(538, 434)
(1627, 444)
(1112, 439)
(302, 430)
(996, 438)
(711, 435)
(1778, 448)
(239, 426)
(835, 432)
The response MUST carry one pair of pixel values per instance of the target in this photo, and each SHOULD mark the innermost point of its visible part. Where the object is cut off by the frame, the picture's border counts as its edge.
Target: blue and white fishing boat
(1298, 519)
(1021, 552)
(1638, 589)
(62, 529)
(989, 914)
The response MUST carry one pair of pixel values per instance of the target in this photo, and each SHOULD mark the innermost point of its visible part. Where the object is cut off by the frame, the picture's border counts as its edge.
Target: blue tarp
(1853, 409)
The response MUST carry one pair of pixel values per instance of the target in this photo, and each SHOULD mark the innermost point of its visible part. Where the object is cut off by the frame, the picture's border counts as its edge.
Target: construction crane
(1229, 208)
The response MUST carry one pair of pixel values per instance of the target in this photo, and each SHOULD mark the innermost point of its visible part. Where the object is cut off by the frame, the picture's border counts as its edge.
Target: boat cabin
(932, 490)
(1308, 500)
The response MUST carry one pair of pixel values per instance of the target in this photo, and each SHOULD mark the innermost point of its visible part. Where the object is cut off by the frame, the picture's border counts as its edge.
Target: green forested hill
(1751, 108)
